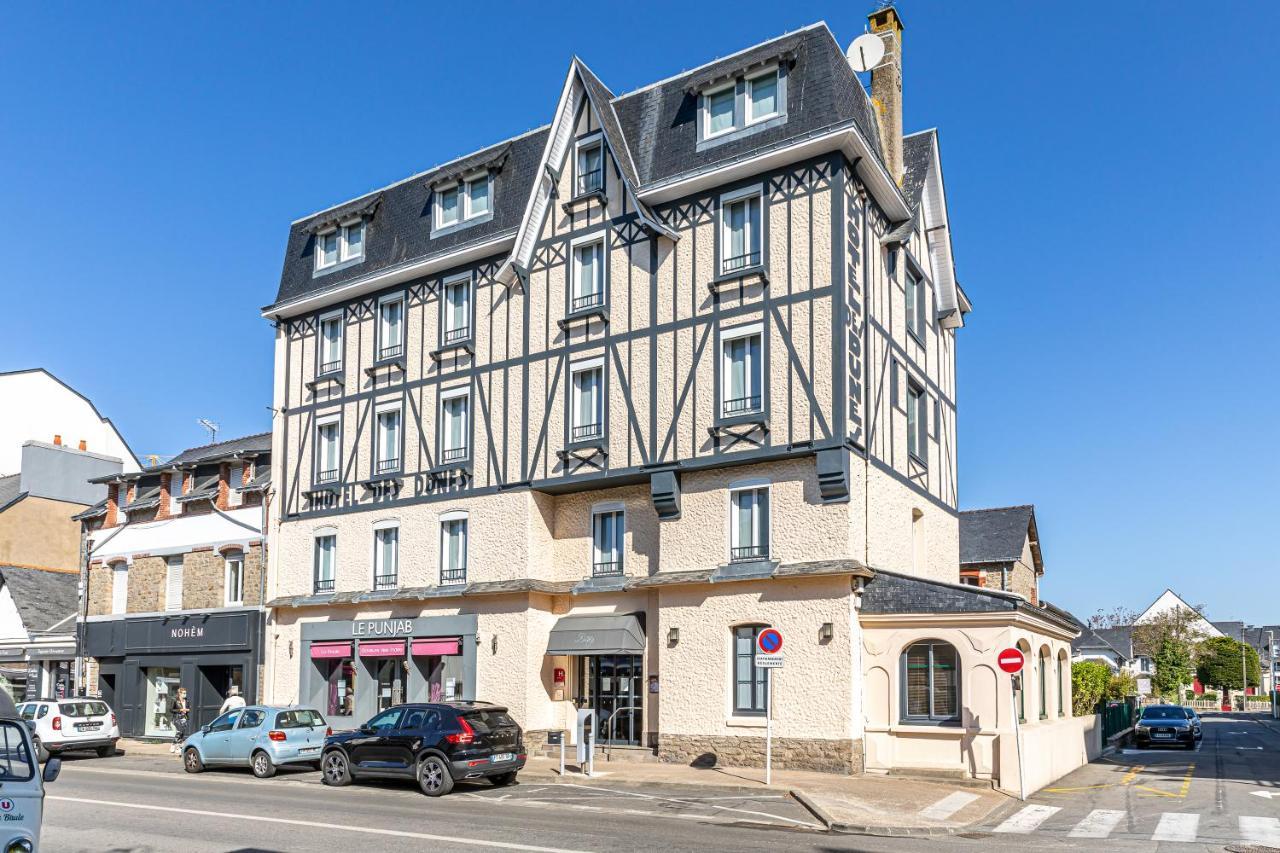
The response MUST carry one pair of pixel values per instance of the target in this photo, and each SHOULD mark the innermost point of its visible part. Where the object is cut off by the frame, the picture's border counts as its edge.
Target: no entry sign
(769, 641)
(1010, 661)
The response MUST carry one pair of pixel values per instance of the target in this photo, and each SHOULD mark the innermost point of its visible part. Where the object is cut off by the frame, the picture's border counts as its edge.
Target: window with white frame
(917, 421)
(588, 275)
(119, 587)
(386, 556)
(387, 440)
(391, 327)
(235, 482)
(608, 531)
(329, 352)
(741, 372)
(339, 245)
(328, 450)
(455, 425)
(175, 492)
(915, 305)
(173, 583)
(326, 557)
(468, 199)
(453, 548)
(586, 401)
(749, 523)
(750, 685)
(457, 310)
(590, 163)
(748, 100)
(740, 230)
(234, 580)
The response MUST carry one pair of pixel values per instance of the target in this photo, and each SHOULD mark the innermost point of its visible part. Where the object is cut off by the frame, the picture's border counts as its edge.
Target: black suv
(437, 744)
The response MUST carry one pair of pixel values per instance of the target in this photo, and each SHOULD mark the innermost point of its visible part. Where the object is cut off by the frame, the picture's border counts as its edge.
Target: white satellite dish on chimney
(865, 52)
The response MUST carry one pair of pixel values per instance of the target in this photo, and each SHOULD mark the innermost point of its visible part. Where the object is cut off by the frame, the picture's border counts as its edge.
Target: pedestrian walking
(234, 700)
(180, 713)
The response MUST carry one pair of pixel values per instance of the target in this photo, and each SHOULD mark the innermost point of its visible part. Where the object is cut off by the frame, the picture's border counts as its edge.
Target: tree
(1218, 664)
(1118, 617)
(1121, 685)
(1089, 680)
(1173, 667)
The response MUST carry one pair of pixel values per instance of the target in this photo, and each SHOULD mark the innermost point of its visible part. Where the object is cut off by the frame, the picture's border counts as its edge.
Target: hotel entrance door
(613, 685)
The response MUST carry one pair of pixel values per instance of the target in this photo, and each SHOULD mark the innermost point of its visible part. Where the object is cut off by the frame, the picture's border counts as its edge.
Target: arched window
(931, 682)
(1062, 688)
(1041, 672)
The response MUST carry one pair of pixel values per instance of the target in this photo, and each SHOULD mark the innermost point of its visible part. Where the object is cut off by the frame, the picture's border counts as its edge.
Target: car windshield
(485, 722)
(15, 758)
(83, 709)
(1159, 713)
(298, 718)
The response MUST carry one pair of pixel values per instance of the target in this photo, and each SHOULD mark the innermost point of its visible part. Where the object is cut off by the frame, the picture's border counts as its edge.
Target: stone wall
(100, 581)
(146, 584)
(829, 756)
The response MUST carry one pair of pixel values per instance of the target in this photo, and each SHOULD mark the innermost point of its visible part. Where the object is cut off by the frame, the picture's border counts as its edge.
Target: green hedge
(1089, 681)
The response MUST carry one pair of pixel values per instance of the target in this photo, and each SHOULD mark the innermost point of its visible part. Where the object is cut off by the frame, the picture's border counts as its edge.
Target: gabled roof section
(10, 489)
(248, 446)
(44, 598)
(361, 208)
(1090, 640)
(997, 535)
(893, 593)
(1120, 639)
(952, 303)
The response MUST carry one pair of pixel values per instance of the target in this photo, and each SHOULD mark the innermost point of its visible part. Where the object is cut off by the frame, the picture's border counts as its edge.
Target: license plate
(81, 727)
(1162, 734)
(503, 756)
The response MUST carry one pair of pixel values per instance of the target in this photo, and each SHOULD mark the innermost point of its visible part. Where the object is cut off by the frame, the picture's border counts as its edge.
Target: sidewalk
(878, 805)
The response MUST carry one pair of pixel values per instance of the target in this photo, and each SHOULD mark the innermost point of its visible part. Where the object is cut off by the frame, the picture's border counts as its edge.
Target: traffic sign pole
(1011, 661)
(768, 726)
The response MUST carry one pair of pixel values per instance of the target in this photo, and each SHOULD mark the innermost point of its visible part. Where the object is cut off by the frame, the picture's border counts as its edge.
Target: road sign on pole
(768, 658)
(769, 641)
(1011, 660)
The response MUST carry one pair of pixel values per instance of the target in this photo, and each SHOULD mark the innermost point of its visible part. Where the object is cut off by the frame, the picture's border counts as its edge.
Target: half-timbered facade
(563, 423)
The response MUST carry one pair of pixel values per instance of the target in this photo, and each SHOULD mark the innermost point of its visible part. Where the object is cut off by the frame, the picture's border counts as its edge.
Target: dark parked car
(1165, 724)
(435, 744)
(1195, 721)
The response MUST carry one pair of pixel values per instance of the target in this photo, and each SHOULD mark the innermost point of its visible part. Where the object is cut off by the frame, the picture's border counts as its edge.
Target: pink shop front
(353, 669)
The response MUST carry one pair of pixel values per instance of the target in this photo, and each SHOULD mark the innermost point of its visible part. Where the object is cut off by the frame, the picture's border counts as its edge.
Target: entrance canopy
(603, 634)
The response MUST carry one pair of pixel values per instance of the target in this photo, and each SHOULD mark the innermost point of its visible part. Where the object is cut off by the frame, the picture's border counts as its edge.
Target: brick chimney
(886, 86)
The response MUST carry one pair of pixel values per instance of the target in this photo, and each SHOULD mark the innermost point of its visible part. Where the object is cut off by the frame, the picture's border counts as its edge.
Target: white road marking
(1177, 826)
(691, 803)
(1261, 830)
(1097, 824)
(369, 830)
(1028, 819)
(948, 805)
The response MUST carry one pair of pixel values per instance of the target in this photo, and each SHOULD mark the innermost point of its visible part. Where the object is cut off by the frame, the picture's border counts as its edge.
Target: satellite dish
(866, 52)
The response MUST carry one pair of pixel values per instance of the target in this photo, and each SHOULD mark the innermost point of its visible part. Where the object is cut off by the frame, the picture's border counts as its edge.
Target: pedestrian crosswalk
(1183, 827)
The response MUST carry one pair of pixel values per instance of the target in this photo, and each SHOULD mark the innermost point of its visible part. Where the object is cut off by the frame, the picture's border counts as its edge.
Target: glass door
(162, 689)
(612, 685)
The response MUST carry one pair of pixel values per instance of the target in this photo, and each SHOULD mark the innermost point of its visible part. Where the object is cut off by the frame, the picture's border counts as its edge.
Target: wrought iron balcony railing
(453, 574)
(385, 581)
(386, 465)
(453, 454)
(586, 432)
(742, 405)
(324, 585)
(741, 262)
(589, 182)
(748, 552)
(607, 569)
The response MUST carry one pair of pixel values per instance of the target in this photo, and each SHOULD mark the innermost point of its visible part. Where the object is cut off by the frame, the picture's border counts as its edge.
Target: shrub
(1121, 685)
(1089, 680)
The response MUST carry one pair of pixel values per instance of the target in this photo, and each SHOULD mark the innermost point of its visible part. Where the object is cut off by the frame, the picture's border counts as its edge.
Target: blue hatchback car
(260, 737)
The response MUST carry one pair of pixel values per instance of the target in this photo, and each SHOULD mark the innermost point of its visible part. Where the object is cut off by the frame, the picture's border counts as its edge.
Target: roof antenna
(211, 427)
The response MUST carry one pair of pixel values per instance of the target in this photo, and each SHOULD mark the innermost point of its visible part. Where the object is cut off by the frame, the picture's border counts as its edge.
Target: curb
(813, 808)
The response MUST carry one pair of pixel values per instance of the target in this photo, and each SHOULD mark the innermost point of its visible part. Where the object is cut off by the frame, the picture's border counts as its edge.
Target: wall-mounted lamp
(826, 633)
(673, 637)
(291, 650)
(493, 644)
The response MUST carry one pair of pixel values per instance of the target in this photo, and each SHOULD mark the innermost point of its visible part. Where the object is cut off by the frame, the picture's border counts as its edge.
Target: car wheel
(263, 766)
(335, 769)
(503, 779)
(191, 760)
(433, 776)
(42, 754)
(107, 751)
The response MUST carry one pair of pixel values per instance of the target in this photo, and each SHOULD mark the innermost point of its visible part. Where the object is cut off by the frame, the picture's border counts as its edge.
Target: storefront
(143, 661)
(37, 671)
(609, 653)
(353, 669)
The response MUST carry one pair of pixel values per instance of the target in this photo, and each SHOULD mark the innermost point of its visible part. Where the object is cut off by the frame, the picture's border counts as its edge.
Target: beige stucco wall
(984, 744)
(39, 532)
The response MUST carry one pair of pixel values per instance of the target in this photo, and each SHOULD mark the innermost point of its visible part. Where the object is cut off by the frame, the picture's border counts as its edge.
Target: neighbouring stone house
(174, 583)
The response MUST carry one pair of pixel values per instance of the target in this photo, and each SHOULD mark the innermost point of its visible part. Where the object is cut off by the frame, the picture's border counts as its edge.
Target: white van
(21, 783)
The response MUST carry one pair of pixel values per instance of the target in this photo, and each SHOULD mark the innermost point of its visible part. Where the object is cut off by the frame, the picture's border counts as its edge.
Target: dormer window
(340, 244)
(468, 199)
(752, 101)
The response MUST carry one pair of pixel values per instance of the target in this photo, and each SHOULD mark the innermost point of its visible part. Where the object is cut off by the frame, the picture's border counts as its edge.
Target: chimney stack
(886, 86)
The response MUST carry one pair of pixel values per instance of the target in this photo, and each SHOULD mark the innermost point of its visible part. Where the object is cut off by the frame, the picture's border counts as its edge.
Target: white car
(70, 724)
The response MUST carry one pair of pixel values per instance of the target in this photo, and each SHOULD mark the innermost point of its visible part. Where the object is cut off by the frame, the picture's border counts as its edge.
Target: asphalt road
(1124, 802)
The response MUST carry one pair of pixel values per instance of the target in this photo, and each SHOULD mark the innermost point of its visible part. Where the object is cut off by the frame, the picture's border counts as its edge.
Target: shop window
(340, 686)
(931, 683)
(750, 688)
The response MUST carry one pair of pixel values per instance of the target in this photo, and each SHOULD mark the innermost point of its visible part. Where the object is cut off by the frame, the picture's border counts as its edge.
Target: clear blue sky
(1111, 171)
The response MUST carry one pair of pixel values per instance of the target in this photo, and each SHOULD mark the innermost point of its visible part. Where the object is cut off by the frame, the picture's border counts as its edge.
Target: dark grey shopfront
(351, 669)
(142, 661)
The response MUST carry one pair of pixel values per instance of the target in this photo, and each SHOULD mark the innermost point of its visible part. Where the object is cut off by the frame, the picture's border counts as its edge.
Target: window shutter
(235, 479)
(120, 588)
(173, 585)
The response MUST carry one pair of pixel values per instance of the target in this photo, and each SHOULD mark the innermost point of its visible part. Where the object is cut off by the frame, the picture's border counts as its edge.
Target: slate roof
(144, 497)
(994, 535)
(100, 508)
(10, 489)
(1090, 639)
(44, 598)
(259, 443)
(652, 131)
(892, 593)
(1120, 639)
(917, 157)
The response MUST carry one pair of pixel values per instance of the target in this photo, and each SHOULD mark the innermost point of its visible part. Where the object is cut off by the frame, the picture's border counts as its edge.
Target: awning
(597, 635)
(382, 649)
(330, 650)
(437, 646)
